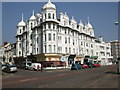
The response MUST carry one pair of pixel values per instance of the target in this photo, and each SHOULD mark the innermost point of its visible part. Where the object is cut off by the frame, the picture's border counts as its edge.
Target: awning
(87, 56)
(79, 56)
(93, 57)
(72, 56)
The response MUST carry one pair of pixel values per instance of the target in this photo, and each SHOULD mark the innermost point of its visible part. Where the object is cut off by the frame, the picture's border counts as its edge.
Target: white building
(1, 53)
(52, 39)
(8, 53)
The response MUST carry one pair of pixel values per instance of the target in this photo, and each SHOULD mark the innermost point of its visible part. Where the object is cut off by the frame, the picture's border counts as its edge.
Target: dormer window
(49, 15)
(31, 25)
(20, 30)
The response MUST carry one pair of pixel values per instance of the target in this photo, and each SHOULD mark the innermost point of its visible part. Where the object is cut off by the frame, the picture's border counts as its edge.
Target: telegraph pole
(118, 57)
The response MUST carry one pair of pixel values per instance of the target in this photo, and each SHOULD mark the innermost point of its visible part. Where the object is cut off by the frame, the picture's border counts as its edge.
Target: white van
(34, 66)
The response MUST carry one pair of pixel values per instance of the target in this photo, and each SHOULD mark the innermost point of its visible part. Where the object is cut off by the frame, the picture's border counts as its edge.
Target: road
(102, 77)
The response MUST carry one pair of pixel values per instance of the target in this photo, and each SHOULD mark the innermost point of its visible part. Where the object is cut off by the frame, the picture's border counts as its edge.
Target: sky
(102, 15)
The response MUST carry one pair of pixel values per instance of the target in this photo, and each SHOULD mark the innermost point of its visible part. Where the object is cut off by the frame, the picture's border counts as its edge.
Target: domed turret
(89, 25)
(33, 16)
(22, 23)
(49, 5)
(81, 23)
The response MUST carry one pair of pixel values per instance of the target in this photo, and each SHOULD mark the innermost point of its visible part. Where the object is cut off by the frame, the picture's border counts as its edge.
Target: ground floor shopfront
(58, 60)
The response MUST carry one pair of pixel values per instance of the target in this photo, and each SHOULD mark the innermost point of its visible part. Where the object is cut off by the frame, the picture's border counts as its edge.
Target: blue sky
(102, 16)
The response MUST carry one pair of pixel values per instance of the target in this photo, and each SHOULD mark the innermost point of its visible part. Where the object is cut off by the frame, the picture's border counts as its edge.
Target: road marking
(28, 79)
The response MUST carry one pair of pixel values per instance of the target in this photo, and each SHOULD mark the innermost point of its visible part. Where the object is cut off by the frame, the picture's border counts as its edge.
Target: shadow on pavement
(112, 72)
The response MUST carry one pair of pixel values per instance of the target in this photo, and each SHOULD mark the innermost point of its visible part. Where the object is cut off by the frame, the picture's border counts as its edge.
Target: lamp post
(118, 58)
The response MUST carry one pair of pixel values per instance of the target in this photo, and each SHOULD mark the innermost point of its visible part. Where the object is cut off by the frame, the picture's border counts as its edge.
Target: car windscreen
(12, 66)
(4, 65)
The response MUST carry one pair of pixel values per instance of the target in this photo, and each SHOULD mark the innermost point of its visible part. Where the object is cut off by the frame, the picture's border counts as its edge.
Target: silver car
(11, 68)
(4, 66)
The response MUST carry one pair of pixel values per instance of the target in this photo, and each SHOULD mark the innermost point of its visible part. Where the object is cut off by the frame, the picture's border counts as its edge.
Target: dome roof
(81, 23)
(49, 5)
(32, 17)
(89, 25)
(22, 23)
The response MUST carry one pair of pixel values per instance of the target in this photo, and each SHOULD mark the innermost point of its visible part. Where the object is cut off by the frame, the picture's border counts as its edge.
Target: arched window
(37, 40)
(69, 40)
(53, 26)
(45, 15)
(49, 15)
(37, 50)
(20, 30)
(50, 48)
(45, 26)
(73, 42)
(31, 25)
(49, 25)
(45, 48)
(65, 40)
(66, 49)
(19, 53)
(54, 48)
(49, 36)
(54, 37)
(53, 15)
(19, 45)
(69, 50)
(45, 37)
(31, 36)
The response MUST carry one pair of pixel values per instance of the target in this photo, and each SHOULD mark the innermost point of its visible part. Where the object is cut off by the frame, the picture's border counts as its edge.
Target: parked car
(79, 66)
(90, 64)
(35, 66)
(74, 67)
(97, 65)
(85, 66)
(4, 66)
(11, 68)
(18, 66)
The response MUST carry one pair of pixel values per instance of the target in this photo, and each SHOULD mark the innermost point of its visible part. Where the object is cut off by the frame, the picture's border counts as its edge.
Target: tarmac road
(102, 77)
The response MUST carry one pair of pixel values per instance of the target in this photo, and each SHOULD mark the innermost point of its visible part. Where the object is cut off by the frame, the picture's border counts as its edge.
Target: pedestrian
(38, 68)
(41, 67)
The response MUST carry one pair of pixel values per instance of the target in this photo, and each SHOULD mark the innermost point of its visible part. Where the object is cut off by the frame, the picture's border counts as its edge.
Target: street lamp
(118, 58)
